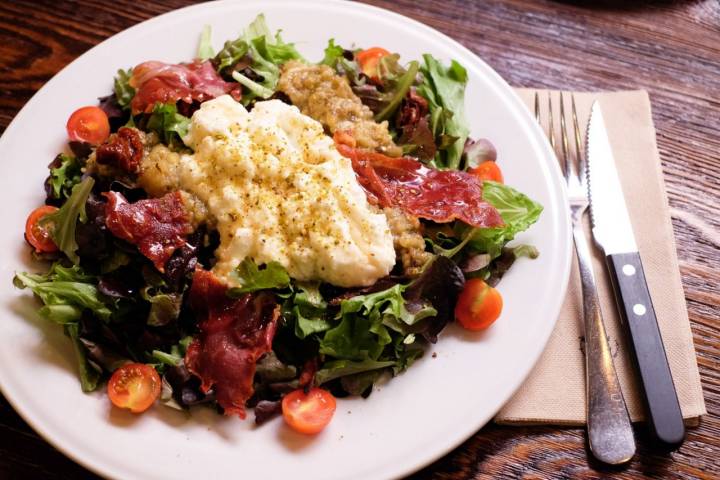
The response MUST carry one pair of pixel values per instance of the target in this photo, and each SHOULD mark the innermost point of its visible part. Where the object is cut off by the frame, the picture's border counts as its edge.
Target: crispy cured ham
(185, 82)
(438, 195)
(158, 226)
(234, 334)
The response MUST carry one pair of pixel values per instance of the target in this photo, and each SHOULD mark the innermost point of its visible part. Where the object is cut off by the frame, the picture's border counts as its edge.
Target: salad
(252, 229)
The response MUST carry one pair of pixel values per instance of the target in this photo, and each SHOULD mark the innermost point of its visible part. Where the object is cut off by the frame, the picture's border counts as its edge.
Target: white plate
(407, 423)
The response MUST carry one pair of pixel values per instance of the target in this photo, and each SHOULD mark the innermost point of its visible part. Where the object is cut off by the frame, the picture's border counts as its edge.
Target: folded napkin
(554, 392)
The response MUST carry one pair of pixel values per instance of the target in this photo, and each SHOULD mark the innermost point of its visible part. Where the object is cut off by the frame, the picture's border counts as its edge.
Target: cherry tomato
(308, 413)
(134, 386)
(488, 170)
(88, 124)
(369, 59)
(479, 305)
(37, 233)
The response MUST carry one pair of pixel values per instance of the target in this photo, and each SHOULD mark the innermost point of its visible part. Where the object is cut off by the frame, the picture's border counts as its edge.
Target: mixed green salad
(129, 275)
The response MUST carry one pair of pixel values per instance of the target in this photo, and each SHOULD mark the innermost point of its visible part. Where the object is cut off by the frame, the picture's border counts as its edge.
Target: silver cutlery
(610, 432)
(614, 234)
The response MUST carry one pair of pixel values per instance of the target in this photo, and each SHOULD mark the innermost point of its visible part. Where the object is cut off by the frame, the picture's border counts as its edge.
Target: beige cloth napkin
(554, 393)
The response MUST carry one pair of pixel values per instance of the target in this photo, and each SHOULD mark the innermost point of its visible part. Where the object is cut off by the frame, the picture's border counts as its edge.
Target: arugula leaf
(252, 278)
(444, 89)
(124, 93)
(168, 124)
(205, 50)
(65, 176)
(89, 374)
(65, 292)
(64, 221)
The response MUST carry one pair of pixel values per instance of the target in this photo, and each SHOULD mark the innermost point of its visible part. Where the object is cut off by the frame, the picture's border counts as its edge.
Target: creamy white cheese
(278, 190)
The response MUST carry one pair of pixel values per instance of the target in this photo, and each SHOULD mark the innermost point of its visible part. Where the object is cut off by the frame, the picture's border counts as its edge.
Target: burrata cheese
(277, 190)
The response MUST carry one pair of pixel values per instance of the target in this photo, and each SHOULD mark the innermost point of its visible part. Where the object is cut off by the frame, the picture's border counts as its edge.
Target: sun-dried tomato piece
(123, 150)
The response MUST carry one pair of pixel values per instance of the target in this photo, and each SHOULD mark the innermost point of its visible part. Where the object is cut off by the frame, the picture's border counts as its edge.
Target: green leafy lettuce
(205, 50)
(124, 93)
(396, 82)
(65, 293)
(261, 52)
(64, 222)
(253, 278)
(64, 176)
(517, 211)
(444, 89)
(168, 124)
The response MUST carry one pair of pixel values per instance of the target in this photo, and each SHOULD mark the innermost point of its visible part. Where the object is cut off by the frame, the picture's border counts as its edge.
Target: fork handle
(610, 432)
(636, 310)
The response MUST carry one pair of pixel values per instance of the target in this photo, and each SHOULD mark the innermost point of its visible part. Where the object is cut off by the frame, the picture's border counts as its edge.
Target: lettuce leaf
(168, 124)
(444, 89)
(252, 278)
(124, 93)
(64, 221)
(333, 53)
(339, 368)
(517, 211)
(64, 176)
(265, 52)
(88, 372)
(65, 293)
(395, 84)
(205, 50)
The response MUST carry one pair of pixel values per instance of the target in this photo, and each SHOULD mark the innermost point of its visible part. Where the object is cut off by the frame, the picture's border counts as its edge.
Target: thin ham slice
(234, 334)
(157, 226)
(185, 82)
(438, 195)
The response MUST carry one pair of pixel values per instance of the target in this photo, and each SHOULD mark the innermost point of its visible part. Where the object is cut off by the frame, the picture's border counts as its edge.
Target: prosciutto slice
(185, 82)
(234, 334)
(158, 226)
(438, 195)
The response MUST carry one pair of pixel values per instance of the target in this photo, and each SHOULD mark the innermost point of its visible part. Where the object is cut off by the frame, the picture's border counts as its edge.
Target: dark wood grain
(670, 48)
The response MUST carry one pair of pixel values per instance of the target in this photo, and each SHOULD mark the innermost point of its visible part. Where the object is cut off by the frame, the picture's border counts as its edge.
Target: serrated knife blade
(613, 232)
(608, 212)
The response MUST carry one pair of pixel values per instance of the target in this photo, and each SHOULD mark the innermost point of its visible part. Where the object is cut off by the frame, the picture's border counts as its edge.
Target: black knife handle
(636, 309)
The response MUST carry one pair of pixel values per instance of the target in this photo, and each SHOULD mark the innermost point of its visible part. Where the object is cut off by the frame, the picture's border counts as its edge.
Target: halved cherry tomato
(478, 306)
(369, 59)
(88, 124)
(488, 170)
(37, 233)
(134, 386)
(308, 412)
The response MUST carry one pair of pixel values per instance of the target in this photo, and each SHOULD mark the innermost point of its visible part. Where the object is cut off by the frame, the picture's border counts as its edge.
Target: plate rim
(107, 469)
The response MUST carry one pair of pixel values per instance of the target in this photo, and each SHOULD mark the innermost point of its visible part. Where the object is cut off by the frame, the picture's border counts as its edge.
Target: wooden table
(672, 49)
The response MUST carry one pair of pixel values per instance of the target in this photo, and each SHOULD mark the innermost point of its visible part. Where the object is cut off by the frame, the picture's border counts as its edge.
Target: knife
(614, 234)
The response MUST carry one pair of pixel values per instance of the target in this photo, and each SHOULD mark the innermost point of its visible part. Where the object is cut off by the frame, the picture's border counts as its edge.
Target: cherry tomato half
(134, 386)
(369, 59)
(308, 413)
(88, 124)
(488, 170)
(37, 233)
(478, 306)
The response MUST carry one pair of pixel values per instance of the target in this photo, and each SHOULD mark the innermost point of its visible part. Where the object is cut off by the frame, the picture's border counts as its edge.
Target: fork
(610, 433)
